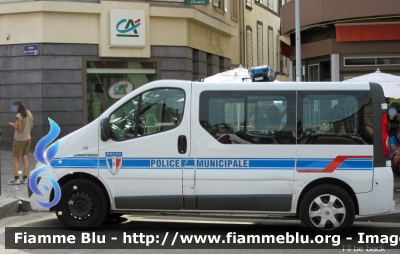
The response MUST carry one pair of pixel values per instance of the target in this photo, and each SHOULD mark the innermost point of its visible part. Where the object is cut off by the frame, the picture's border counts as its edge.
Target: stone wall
(176, 62)
(185, 63)
(50, 85)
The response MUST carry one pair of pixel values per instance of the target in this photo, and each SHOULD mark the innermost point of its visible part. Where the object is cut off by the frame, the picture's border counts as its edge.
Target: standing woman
(22, 140)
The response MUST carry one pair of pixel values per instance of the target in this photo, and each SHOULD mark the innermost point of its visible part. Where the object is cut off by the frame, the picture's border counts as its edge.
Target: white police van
(312, 150)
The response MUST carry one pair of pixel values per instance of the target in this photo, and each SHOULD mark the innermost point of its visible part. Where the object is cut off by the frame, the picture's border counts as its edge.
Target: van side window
(152, 112)
(332, 117)
(249, 117)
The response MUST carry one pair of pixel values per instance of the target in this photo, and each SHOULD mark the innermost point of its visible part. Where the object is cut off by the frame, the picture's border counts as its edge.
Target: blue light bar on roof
(262, 73)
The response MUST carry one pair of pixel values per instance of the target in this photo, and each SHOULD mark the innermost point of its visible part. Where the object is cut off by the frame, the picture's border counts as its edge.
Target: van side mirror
(105, 129)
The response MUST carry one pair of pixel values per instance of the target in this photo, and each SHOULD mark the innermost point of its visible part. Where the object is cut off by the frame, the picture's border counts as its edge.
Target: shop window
(388, 61)
(359, 61)
(371, 61)
(109, 81)
(303, 73)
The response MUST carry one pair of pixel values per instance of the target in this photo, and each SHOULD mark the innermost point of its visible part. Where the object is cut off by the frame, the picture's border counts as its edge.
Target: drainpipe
(242, 35)
(298, 41)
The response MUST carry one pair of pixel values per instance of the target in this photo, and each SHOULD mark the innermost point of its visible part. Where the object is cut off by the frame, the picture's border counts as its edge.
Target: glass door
(108, 81)
(313, 72)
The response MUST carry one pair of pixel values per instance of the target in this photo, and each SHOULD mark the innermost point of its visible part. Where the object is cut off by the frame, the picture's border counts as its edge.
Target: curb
(11, 206)
(25, 205)
(8, 206)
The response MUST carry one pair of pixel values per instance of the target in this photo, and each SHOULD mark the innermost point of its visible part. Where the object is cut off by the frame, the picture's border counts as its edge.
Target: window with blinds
(260, 55)
(249, 47)
(270, 47)
(235, 10)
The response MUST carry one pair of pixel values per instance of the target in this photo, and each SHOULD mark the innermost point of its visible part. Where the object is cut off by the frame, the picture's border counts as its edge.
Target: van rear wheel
(327, 209)
(83, 204)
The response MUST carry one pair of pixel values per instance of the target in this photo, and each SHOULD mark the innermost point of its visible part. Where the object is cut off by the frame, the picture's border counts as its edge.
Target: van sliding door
(244, 147)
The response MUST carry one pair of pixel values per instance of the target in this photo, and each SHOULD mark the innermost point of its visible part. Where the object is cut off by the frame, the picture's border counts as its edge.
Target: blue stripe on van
(356, 164)
(215, 163)
(72, 162)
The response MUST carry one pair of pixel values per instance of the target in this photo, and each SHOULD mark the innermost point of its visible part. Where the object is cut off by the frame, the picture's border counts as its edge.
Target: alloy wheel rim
(327, 212)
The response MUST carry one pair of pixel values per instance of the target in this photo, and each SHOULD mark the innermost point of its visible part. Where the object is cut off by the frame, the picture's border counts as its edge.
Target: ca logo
(130, 26)
(45, 156)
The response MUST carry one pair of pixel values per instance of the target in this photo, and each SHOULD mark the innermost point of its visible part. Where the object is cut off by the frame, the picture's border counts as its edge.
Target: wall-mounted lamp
(8, 36)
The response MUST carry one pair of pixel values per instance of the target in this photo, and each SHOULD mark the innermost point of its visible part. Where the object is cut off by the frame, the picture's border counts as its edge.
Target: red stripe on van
(334, 164)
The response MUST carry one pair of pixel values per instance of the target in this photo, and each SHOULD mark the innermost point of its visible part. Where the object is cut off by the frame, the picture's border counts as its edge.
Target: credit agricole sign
(127, 28)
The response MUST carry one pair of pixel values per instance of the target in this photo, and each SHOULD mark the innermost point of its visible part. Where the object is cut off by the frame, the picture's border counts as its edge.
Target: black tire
(336, 216)
(89, 207)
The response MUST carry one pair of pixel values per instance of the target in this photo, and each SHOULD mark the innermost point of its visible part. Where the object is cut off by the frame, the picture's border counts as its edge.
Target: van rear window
(332, 117)
(281, 117)
(238, 117)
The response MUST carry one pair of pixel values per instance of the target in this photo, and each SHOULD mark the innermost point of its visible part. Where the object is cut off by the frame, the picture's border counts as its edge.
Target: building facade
(342, 39)
(69, 61)
(260, 30)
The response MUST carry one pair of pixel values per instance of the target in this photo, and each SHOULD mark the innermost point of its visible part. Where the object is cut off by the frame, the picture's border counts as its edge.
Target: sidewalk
(13, 198)
(7, 174)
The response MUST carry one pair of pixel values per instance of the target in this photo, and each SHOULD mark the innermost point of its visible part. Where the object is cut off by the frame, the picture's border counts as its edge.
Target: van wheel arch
(69, 177)
(327, 180)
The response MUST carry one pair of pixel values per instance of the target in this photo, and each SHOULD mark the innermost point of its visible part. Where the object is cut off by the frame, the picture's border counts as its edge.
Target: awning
(284, 49)
(382, 31)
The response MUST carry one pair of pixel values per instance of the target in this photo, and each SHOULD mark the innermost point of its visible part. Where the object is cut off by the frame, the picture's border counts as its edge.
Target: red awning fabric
(368, 32)
(284, 49)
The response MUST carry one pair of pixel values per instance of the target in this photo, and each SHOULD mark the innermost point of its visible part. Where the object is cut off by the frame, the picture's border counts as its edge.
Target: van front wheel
(82, 204)
(327, 209)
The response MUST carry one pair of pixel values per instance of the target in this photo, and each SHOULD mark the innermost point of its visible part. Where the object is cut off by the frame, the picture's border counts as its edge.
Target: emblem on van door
(114, 161)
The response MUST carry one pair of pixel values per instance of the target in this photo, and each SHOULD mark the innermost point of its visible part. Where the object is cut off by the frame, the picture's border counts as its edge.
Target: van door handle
(182, 144)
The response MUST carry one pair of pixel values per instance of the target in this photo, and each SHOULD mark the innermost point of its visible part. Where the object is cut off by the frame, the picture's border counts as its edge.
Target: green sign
(197, 2)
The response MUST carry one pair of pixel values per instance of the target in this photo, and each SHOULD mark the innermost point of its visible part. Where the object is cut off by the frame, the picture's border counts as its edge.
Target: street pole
(298, 41)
